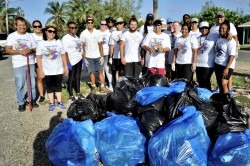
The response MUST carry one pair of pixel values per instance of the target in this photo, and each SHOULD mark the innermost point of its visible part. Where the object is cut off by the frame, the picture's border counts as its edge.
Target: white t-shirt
(105, 41)
(20, 42)
(173, 39)
(37, 39)
(51, 52)
(114, 40)
(91, 43)
(215, 29)
(224, 49)
(73, 47)
(132, 46)
(150, 29)
(156, 41)
(206, 50)
(185, 46)
(196, 33)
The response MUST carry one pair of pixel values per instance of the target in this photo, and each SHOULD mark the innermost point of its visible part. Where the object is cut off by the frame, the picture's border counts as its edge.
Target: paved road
(23, 135)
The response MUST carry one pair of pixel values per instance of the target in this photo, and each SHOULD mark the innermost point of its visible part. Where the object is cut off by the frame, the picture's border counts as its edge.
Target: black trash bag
(110, 104)
(82, 109)
(158, 80)
(150, 121)
(158, 105)
(231, 116)
(132, 83)
(145, 79)
(124, 100)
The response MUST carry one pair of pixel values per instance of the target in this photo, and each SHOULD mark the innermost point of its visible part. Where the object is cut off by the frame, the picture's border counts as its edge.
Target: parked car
(3, 37)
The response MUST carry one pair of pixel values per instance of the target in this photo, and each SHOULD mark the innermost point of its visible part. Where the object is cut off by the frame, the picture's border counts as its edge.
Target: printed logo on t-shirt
(157, 43)
(51, 53)
(182, 47)
(104, 39)
(218, 48)
(78, 46)
(203, 46)
(21, 44)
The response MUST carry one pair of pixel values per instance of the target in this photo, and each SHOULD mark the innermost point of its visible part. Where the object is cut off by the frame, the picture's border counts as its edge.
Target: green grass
(243, 100)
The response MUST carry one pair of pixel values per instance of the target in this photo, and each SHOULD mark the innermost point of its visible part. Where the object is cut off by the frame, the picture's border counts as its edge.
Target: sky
(34, 9)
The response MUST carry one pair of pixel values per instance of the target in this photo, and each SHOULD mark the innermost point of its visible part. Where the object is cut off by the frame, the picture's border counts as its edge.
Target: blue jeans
(20, 75)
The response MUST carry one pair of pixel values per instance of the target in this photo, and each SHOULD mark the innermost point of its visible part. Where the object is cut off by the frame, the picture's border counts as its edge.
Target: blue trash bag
(204, 94)
(119, 141)
(183, 141)
(72, 143)
(231, 149)
(149, 95)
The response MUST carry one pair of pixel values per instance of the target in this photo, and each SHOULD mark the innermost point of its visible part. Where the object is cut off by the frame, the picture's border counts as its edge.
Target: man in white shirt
(93, 54)
(130, 50)
(20, 45)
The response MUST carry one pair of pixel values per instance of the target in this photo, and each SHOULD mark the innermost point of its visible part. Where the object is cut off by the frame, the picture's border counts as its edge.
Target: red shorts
(154, 70)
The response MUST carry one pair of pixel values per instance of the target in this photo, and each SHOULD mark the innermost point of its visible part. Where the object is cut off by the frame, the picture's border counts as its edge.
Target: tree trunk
(155, 9)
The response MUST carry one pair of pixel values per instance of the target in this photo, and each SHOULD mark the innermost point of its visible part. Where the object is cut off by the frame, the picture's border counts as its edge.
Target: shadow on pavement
(40, 157)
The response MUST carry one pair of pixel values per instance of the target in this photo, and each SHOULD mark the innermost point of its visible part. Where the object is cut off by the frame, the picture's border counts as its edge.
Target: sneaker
(93, 89)
(41, 99)
(111, 89)
(72, 98)
(34, 104)
(80, 96)
(104, 90)
(52, 107)
(22, 108)
(231, 93)
(61, 105)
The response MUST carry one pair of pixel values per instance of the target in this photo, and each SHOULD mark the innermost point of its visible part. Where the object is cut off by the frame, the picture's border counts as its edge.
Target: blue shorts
(94, 65)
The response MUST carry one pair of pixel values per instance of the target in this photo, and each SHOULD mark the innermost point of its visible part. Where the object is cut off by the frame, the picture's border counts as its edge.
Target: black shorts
(53, 83)
(219, 71)
(117, 64)
(133, 69)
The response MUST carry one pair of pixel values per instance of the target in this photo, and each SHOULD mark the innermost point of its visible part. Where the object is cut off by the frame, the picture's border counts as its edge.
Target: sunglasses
(119, 23)
(204, 28)
(37, 26)
(157, 25)
(51, 31)
(219, 17)
(194, 22)
(90, 22)
(110, 21)
(103, 24)
(73, 27)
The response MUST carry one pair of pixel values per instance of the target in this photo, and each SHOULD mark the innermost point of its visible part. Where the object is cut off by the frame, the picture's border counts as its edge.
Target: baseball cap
(150, 16)
(219, 14)
(169, 20)
(90, 19)
(157, 22)
(194, 20)
(204, 24)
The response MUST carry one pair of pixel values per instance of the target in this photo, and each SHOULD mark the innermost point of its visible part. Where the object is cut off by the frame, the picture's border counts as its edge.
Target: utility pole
(155, 9)
(7, 17)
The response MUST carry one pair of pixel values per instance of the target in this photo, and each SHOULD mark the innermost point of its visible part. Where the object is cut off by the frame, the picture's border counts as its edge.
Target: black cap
(110, 18)
(157, 22)
(150, 16)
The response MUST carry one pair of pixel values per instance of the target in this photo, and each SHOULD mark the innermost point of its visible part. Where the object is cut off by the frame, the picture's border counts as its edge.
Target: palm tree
(155, 8)
(58, 12)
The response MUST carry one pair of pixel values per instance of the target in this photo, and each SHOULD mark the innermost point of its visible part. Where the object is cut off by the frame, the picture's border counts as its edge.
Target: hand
(142, 61)
(110, 61)
(161, 50)
(66, 71)
(193, 67)
(225, 73)
(229, 37)
(151, 51)
(25, 51)
(123, 60)
(173, 66)
(101, 60)
(86, 62)
(41, 74)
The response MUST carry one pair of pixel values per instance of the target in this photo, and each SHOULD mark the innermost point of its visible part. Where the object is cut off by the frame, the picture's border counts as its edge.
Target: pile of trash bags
(149, 121)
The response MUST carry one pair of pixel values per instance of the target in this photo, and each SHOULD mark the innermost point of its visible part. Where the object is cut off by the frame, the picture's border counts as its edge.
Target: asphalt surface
(23, 134)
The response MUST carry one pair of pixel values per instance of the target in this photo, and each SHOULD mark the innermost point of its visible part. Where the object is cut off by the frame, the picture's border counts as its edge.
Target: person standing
(105, 35)
(114, 42)
(220, 18)
(185, 54)
(52, 63)
(173, 37)
(156, 44)
(93, 54)
(130, 50)
(195, 27)
(38, 36)
(186, 20)
(73, 50)
(169, 29)
(206, 56)
(224, 58)
(21, 44)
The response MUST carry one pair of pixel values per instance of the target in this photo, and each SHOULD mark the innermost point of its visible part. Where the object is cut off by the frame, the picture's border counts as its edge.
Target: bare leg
(39, 82)
(59, 96)
(51, 97)
(101, 77)
(92, 78)
(224, 86)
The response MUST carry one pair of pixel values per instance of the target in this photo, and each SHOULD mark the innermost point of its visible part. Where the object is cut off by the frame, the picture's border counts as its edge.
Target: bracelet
(66, 67)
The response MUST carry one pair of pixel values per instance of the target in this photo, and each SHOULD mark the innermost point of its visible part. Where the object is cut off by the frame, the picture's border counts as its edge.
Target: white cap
(204, 24)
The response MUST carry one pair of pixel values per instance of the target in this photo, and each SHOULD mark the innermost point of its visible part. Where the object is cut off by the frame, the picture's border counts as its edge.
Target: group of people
(114, 51)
